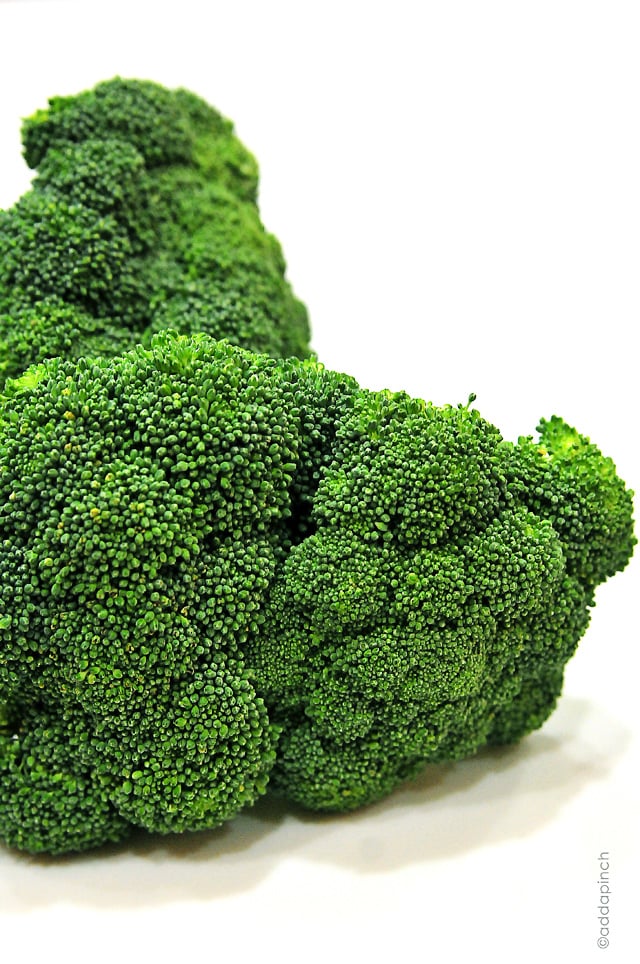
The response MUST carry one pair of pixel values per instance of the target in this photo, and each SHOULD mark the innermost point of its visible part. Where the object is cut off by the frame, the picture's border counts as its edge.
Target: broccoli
(225, 572)
(142, 216)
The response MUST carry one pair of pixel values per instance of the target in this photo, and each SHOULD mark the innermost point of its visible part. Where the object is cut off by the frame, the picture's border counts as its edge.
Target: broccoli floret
(139, 574)
(224, 572)
(565, 478)
(142, 216)
(435, 602)
(165, 127)
(52, 801)
(53, 328)
(107, 176)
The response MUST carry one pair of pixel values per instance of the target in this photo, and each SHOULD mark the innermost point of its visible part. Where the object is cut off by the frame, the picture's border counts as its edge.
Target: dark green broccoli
(142, 216)
(223, 571)
(435, 601)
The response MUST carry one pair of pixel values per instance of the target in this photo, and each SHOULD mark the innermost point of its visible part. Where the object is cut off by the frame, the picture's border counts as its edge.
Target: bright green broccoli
(223, 572)
(142, 216)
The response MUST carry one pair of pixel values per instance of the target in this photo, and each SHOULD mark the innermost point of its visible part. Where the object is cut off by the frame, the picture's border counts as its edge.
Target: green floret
(140, 112)
(428, 591)
(165, 127)
(221, 273)
(106, 176)
(133, 577)
(407, 471)
(142, 216)
(52, 328)
(566, 479)
(225, 572)
(189, 762)
(50, 247)
(215, 151)
(52, 802)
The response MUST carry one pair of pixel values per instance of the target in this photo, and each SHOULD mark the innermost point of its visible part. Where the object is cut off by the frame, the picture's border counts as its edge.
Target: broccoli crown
(433, 605)
(221, 570)
(138, 573)
(142, 216)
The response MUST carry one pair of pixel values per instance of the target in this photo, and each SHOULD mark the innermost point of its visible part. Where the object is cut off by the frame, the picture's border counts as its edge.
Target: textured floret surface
(142, 216)
(224, 572)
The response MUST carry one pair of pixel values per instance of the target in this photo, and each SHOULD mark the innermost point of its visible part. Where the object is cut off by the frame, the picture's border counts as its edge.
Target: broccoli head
(224, 572)
(142, 216)
(436, 599)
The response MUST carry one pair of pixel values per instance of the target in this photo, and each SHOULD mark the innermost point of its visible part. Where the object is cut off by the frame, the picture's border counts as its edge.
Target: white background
(456, 186)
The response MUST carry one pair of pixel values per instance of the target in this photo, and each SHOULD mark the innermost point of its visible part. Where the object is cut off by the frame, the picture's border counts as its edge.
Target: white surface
(456, 189)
